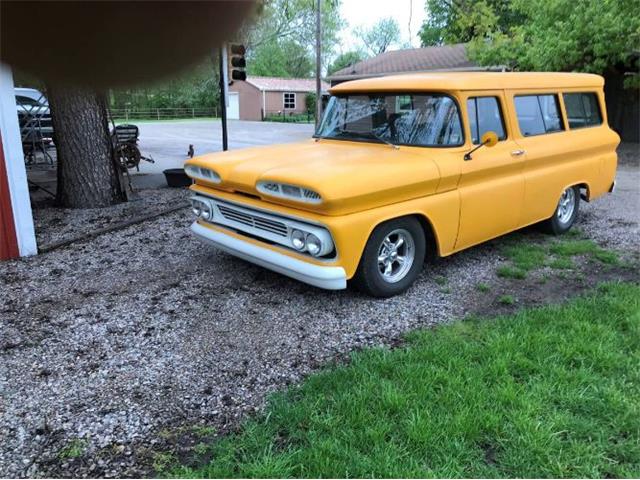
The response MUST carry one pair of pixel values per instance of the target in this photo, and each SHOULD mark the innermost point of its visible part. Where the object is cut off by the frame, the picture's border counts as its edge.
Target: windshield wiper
(370, 135)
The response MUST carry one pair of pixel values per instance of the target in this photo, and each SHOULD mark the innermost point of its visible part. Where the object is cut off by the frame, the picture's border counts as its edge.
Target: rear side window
(485, 116)
(582, 109)
(538, 114)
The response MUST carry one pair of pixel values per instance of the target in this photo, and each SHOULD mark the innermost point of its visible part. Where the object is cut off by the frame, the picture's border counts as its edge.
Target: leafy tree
(284, 30)
(380, 36)
(310, 102)
(460, 21)
(284, 58)
(344, 60)
(575, 35)
(197, 88)
(566, 35)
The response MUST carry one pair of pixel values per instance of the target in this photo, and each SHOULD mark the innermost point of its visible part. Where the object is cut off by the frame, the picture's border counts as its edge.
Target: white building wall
(14, 159)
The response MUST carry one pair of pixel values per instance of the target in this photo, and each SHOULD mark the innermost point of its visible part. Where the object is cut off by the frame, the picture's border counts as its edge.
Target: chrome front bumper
(330, 278)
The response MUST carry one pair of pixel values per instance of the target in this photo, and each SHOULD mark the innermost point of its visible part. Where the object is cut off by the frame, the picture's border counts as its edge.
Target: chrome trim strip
(303, 197)
(327, 277)
(197, 172)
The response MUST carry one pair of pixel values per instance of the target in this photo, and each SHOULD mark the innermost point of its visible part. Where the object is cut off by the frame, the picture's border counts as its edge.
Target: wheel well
(430, 237)
(586, 195)
(429, 234)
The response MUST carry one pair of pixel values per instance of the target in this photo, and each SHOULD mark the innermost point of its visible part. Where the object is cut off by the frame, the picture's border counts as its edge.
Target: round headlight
(196, 208)
(298, 239)
(206, 212)
(314, 245)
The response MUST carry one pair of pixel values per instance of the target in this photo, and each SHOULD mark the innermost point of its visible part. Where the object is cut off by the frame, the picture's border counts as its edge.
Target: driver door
(491, 185)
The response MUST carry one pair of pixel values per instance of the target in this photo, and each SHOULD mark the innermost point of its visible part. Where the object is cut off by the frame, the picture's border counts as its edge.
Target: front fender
(351, 232)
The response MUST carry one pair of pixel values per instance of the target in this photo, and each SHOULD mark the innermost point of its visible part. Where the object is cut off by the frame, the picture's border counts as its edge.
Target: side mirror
(488, 139)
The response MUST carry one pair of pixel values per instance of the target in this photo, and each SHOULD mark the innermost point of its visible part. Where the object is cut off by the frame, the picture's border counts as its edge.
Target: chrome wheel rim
(395, 255)
(566, 205)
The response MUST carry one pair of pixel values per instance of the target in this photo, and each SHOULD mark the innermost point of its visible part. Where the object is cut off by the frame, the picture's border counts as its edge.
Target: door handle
(517, 153)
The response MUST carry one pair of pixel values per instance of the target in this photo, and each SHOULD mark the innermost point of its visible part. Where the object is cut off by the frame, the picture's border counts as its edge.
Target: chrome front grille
(258, 224)
(252, 220)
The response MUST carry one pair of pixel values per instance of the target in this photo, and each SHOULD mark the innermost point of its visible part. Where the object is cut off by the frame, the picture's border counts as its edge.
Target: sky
(368, 12)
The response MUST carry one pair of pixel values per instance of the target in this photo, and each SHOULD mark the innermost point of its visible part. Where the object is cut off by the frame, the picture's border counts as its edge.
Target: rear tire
(565, 213)
(392, 259)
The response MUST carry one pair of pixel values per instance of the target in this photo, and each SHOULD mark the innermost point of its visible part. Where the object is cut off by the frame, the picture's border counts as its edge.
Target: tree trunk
(87, 174)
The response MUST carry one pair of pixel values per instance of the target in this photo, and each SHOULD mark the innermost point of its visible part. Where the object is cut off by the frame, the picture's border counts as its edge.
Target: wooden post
(223, 96)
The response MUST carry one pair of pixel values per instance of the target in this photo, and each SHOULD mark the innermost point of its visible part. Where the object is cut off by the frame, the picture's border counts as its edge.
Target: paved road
(168, 142)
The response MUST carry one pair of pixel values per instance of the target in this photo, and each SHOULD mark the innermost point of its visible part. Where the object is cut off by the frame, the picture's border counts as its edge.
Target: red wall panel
(8, 239)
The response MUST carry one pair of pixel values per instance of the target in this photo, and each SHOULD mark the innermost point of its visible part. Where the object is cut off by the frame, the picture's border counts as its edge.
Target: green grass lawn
(551, 392)
(558, 254)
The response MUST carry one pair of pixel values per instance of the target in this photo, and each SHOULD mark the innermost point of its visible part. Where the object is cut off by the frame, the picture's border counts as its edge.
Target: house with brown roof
(429, 59)
(258, 97)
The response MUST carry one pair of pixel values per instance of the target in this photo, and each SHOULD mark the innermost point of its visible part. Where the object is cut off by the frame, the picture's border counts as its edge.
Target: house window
(404, 103)
(289, 101)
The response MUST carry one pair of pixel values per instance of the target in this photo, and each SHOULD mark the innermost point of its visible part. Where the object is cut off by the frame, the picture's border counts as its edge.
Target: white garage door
(233, 111)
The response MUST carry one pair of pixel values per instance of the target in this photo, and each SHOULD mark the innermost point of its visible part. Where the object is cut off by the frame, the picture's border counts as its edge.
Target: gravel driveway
(107, 345)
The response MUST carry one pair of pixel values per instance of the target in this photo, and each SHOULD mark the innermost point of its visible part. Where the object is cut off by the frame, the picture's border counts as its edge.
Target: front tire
(392, 259)
(566, 212)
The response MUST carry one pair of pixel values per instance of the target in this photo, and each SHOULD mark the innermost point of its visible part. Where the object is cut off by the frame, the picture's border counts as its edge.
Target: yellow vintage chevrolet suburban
(405, 167)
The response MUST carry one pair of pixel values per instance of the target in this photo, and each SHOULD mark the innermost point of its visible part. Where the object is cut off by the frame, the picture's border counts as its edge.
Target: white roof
(278, 84)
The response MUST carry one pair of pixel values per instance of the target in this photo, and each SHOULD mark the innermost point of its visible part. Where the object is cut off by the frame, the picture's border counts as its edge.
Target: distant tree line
(196, 88)
(280, 43)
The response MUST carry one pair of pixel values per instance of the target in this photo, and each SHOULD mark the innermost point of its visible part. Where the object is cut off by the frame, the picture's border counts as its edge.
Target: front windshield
(427, 120)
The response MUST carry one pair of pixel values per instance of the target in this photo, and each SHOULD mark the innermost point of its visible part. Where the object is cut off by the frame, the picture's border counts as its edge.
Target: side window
(289, 100)
(485, 116)
(538, 114)
(434, 121)
(583, 109)
(550, 112)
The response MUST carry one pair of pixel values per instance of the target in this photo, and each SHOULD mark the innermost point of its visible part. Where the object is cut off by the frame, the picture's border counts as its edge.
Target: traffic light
(236, 62)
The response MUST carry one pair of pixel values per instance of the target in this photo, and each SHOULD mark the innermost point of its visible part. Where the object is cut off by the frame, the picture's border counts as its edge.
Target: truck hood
(349, 176)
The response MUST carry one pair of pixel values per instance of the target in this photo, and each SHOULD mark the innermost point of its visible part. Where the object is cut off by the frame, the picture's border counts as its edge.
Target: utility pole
(318, 64)
(224, 82)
